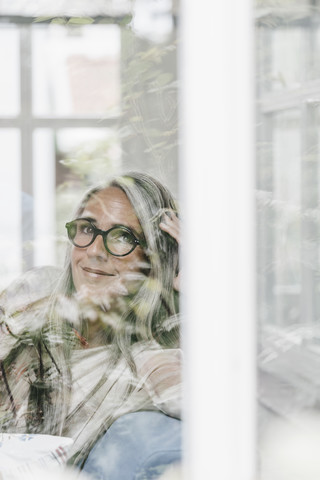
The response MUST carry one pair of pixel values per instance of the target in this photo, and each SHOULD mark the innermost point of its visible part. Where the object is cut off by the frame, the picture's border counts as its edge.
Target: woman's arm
(160, 372)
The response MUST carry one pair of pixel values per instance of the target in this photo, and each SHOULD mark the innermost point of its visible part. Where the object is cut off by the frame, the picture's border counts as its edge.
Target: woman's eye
(120, 236)
(86, 229)
(125, 237)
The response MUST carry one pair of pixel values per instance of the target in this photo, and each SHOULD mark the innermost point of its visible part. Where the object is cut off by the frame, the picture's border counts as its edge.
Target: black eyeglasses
(118, 240)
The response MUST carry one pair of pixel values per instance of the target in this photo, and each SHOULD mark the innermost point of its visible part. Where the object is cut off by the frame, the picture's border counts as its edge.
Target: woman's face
(96, 273)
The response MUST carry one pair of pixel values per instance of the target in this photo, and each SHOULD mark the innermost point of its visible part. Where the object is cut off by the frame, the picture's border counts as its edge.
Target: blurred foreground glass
(288, 249)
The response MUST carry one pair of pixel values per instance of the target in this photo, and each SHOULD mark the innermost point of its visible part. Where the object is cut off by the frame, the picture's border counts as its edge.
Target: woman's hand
(170, 223)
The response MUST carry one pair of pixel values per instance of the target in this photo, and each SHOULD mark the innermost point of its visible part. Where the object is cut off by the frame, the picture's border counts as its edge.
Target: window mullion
(309, 204)
(26, 134)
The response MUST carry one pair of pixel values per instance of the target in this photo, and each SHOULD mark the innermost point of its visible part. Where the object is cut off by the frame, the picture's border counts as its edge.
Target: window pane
(84, 157)
(10, 71)
(315, 60)
(282, 57)
(287, 228)
(12, 198)
(76, 71)
(66, 162)
(280, 222)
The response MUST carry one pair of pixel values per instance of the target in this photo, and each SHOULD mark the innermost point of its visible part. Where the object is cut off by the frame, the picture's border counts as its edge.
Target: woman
(105, 343)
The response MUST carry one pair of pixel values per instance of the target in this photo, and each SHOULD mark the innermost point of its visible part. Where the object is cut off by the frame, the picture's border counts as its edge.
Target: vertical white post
(217, 184)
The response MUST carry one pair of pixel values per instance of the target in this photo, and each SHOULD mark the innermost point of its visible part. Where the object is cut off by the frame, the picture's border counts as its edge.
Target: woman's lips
(96, 271)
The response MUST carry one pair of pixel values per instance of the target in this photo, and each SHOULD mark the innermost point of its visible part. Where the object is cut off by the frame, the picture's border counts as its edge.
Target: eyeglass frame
(104, 233)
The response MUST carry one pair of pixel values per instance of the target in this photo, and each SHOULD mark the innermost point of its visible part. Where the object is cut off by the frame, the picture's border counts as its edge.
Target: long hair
(151, 312)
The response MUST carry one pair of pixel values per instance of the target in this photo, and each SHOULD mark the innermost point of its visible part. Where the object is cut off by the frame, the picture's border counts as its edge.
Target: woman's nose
(97, 248)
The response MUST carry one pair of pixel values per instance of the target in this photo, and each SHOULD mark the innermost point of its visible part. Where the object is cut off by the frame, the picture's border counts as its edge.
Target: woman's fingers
(171, 224)
(176, 283)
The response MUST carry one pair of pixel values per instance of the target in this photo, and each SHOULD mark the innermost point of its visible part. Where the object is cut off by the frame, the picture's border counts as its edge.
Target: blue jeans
(137, 446)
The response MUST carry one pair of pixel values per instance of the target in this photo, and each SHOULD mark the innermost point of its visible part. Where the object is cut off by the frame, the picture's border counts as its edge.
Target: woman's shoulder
(30, 287)
(153, 355)
(24, 301)
(160, 371)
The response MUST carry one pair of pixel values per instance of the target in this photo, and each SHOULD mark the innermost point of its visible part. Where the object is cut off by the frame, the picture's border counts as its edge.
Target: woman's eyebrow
(89, 219)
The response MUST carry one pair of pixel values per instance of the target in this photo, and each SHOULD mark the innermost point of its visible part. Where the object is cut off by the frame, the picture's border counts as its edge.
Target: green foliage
(80, 21)
(150, 96)
(76, 21)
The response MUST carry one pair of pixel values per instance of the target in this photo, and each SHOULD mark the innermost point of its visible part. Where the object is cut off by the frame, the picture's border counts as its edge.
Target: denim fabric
(138, 446)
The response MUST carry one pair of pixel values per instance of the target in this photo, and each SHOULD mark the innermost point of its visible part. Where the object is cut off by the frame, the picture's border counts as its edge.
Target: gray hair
(152, 312)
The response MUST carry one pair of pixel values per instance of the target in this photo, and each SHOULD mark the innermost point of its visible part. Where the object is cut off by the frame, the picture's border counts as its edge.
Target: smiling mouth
(97, 272)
